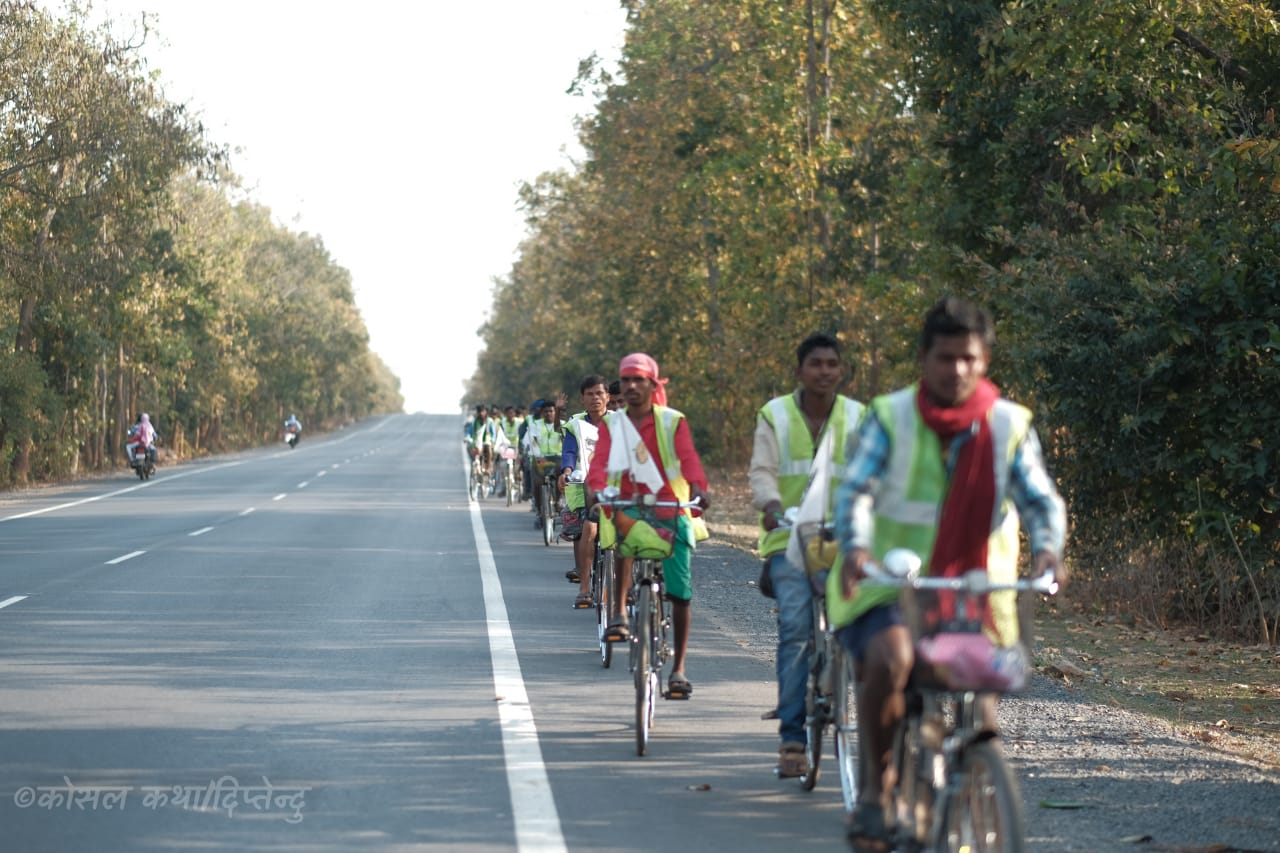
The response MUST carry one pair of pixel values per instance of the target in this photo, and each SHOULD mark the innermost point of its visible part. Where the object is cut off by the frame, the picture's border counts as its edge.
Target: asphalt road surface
(330, 649)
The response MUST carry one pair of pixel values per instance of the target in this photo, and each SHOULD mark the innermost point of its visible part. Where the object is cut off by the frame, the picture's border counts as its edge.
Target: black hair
(955, 316)
(818, 340)
(615, 388)
(591, 380)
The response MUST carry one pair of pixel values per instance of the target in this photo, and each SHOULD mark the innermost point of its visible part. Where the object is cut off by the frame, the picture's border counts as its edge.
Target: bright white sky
(396, 131)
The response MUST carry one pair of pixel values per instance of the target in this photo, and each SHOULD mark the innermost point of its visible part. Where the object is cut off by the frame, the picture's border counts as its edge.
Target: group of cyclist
(945, 467)
(625, 437)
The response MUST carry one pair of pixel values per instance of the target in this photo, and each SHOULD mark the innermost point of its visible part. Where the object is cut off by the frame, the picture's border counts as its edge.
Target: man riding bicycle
(792, 433)
(483, 436)
(579, 446)
(944, 463)
(647, 448)
(545, 445)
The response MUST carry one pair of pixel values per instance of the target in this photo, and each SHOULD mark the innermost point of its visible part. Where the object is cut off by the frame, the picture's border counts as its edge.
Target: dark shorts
(857, 635)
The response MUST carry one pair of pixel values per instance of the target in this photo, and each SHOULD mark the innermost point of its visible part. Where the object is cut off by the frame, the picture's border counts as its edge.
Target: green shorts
(677, 574)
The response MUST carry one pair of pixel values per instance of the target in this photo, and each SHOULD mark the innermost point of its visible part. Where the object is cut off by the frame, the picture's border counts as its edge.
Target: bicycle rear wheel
(845, 714)
(646, 675)
(984, 815)
(509, 474)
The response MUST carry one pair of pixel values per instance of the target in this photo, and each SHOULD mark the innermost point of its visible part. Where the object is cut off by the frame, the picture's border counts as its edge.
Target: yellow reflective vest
(909, 502)
(796, 449)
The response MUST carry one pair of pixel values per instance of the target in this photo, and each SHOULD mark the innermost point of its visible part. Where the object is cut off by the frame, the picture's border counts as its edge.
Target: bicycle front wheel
(817, 710)
(984, 815)
(548, 522)
(602, 580)
(845, 712)
(645, 674)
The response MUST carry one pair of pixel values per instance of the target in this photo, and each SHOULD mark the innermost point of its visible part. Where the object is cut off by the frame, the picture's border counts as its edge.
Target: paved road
(329, 649)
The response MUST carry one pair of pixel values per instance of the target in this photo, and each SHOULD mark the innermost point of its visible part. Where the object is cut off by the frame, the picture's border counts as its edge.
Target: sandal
(617, 632)
(792, 761)
(867, 831)
(679, 687)
(572, 576)
(583, 601)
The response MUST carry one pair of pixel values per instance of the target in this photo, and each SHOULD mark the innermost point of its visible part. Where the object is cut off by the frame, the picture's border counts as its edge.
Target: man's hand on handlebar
(697, 494)
(851, 570)
(772, 513)
(1045, 561)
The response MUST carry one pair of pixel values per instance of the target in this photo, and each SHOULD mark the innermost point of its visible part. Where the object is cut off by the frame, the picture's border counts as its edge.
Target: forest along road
(331, 649)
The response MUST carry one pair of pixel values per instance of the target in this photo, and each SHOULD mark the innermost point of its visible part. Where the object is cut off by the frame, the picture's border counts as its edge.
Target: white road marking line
(304, 484)
(281, 496)
(202, 531)
(322, 473)
(145, 485)
(128, 556)
(533, 807)
(12, 600)
(249, 510)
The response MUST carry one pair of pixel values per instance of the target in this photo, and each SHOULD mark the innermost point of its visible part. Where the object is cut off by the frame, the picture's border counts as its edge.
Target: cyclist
(544, 449)
(580, 435)
(523, 439)
(510, 427)
(797, 435)
(483, 436)
(647, 448)
(944, 463)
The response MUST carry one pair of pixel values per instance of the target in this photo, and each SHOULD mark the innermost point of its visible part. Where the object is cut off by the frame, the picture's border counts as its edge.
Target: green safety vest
(665, 421)
(796, 450)
(546, 438)
(910, 496)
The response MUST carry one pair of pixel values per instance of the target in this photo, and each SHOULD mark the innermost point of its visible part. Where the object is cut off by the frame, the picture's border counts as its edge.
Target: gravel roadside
(1094, 778)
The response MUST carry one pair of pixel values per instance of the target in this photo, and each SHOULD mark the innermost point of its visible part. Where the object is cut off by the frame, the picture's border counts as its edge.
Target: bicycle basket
(818, 545)
(508, 453)
(967, 640)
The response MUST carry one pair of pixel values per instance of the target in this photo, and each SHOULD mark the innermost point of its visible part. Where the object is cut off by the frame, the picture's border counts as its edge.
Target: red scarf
(965, 525)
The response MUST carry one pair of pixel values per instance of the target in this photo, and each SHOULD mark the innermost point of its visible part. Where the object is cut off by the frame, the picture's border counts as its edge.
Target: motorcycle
(291, 436)
(142, 460)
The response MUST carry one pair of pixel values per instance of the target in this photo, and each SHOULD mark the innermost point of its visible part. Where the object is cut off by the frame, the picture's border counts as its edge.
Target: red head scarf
(643, 364)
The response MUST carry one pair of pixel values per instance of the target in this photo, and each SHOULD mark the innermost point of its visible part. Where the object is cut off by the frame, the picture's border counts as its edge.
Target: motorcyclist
(142, 435)
(293, 425)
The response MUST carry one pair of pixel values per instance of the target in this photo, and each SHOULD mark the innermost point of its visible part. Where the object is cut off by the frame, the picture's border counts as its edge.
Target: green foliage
(1104, 175)
(131, 281)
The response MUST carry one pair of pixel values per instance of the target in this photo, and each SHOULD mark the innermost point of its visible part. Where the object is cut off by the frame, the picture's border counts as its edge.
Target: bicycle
(831, 683)
(955, 791)
(510, 476)
(650, 621)
(825, 706)
(548, 497)
(475, 483)
(604, 583)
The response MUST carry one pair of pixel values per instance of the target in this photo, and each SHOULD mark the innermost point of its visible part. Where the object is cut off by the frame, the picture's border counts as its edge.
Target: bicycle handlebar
(902, 569)
(612, 500)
